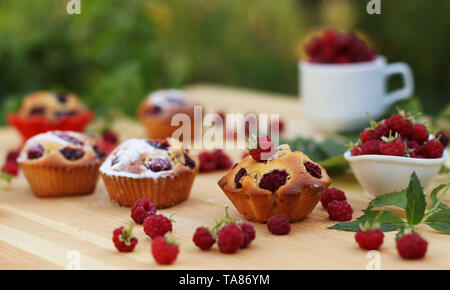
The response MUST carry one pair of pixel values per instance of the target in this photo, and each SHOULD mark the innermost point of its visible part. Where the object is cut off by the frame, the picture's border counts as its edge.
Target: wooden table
(50, 233)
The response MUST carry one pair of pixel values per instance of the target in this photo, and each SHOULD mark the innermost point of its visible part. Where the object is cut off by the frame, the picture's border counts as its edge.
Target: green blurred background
(116, 52)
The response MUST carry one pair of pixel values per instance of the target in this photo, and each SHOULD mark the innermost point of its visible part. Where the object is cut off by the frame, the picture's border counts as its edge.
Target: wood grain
(40, 233)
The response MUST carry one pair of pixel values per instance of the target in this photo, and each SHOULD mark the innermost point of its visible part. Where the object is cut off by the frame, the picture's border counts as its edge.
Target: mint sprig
(412, 200)
(6, 177)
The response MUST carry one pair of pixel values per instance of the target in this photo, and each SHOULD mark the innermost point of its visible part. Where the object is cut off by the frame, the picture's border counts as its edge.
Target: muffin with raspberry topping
(288, 184)
(59, 163)
(161, 170)
(48, 111)
(157, 110)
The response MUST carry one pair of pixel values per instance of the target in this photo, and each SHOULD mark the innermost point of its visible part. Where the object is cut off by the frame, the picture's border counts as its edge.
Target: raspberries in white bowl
(391, 150)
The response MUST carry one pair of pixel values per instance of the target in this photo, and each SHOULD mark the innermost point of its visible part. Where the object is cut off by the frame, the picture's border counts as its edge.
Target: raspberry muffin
(160, 170)
(59, 163)
(288, 183)
(157, 110)
(46, 111)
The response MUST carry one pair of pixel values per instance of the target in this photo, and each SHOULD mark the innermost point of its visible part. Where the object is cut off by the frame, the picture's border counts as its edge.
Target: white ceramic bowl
(381, 174)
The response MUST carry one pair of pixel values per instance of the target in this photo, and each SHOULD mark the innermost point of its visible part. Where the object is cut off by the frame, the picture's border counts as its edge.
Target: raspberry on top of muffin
(287, 183)
(51, 105)
(140, 158)
(61, 148)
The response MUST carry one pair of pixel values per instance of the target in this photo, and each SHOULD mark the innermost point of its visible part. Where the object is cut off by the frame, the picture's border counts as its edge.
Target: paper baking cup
(51, 181)
(162, 192)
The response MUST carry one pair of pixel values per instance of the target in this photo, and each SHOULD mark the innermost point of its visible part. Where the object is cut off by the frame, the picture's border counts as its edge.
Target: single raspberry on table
(399, 123)
(165, 249)
(123, 239)
(442, 138)
(11, 168)
(110, 136)
(223, 161)
(393, 148)
(207, 162)
(249, 234)
(157, 225)
(203, 238)
(370, 147)
(106, 147)
(419, 133)
(340, 210)
(369, 239)
(412, 246)
(279, 225)
(330, 195)
(262, 149)
(230, 238)
(433, 149)
(141, 209)
(12, 155)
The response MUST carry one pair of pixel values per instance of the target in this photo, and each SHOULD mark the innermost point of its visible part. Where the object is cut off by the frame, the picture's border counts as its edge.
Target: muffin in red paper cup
(61, 163)
(160, 170)
(47, 111)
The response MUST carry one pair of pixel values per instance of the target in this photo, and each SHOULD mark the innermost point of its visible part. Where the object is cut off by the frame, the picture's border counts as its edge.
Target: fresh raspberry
(222, 160)
(157, 225)
(263, 149)
(340, 210)
(106, 146)
(123, 239)
(35, 151)
(273, 180)
(382, 129)
(165, 250)
(230, 238)
(369, 239)
(158, 164)
(249, 234)
(356, 150)
(433, 149)
(367, 134)
(203, 239)
(141, 209)
(413, 147)
(11, 168)
(370, 147)
(376, 131)
(279, 225)
(313, 169)
(442, 138)
(207, 162)
(111, 137)
(400, 125)
(330, 195)
(412, 246)
(237, 179)
(394, 148)
(419, 133)
(12, 155)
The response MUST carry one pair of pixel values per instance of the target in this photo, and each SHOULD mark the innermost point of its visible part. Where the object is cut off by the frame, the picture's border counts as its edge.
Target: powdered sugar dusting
(128, 160)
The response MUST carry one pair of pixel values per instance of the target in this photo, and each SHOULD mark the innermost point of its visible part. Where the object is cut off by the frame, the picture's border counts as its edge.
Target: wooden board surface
(49, 233)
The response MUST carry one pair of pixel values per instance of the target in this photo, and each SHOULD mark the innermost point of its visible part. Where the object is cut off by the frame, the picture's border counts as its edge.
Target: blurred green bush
(116, 52)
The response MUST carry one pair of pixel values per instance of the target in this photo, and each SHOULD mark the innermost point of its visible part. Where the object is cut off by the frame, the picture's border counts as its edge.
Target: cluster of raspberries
(335, 47)
(335, 202)
(399, 135)
(229, 234)
(215, 160)
(157, 226)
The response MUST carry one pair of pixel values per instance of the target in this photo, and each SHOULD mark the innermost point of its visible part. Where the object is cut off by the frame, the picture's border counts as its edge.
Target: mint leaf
(440, 221)
(6, 177)
(444, 169)
(434, 199)
(388, 222)
(335, 165)
(394, 198)
(415, 205)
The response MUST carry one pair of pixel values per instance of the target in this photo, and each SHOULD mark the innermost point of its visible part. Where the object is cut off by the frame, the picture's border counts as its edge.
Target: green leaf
(415, 205)
(394, 198)
(6, 177)
(434, 199)
(444, 169)
(335, 165)
(440, 221)
(388, 222)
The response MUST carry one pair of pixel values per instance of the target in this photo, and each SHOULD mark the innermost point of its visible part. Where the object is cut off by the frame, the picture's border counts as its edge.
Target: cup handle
(407, 90)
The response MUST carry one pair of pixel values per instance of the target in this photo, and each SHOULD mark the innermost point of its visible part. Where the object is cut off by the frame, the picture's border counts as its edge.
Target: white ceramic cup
(336, 97)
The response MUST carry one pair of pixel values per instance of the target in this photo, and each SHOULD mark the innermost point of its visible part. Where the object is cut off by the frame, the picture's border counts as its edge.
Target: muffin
(60, 163)
(160, 170)
(157, 110)
(288, 184)
(47, 111)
